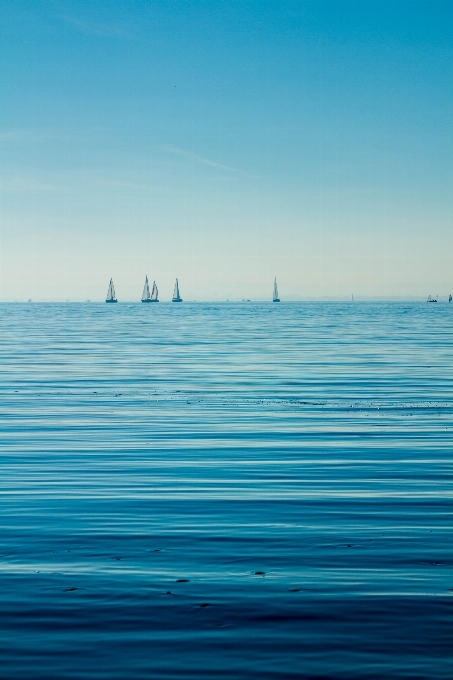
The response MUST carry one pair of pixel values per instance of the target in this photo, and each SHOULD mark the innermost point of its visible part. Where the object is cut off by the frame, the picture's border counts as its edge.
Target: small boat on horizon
(146, 295)
(111, 297)
(176, 295)
(430, 299)
(275, 297)
(450, 298)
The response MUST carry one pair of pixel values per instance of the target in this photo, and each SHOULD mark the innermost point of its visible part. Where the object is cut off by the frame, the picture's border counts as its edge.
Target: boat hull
(177, 300)
(276, 300)
(150, 300)
(111, 301)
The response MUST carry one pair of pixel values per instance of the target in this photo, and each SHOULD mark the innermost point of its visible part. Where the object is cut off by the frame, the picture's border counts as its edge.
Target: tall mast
(176, 295)
(145, 295)
(111, 292)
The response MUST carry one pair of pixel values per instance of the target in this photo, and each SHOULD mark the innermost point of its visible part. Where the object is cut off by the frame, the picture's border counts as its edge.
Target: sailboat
(176, 295)
(275, 297)
(430, 299)
(111, 293)
(146, 295)
(450, 298)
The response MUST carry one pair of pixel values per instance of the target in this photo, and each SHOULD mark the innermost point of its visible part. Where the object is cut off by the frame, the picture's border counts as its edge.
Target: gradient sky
(225, 143)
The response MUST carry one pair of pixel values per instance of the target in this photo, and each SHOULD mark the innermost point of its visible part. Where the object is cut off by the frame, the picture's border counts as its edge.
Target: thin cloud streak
(92, 28)
(19, 185)
(26, 134)
(32, 135)
(205, 161)
(198, 159)
(124, 185)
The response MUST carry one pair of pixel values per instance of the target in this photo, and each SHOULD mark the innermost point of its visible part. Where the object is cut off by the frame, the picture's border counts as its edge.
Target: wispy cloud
(18, 184)
(24, 134)
(10, 135)
(196, 158)
(123, 185)
(32, 135)
(94, 28)
(205, 161)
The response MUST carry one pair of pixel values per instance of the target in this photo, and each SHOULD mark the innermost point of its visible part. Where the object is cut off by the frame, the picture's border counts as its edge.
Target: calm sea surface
(226, 491)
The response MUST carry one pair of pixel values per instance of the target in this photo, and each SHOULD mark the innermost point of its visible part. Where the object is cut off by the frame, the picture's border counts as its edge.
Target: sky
(226, 143)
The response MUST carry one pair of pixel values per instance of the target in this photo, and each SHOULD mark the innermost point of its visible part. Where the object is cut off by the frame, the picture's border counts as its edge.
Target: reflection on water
(226, 491)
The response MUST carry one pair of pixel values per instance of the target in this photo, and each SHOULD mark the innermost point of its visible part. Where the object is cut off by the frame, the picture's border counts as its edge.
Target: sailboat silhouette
(176, 295)
(111, 293)
(146, 295)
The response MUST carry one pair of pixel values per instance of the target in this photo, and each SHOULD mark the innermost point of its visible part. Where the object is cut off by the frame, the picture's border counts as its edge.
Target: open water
(226, 491)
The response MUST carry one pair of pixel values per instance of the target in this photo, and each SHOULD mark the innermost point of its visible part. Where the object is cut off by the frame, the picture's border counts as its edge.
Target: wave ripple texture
(226, 491)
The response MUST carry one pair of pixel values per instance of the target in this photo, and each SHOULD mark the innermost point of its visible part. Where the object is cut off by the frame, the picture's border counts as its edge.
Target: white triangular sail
(146, 295)
(176, 291)
(154, 292)
(275, 295)
(111, 291)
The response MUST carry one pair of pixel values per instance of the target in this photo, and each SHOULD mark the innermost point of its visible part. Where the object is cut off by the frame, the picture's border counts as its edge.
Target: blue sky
(225, 143)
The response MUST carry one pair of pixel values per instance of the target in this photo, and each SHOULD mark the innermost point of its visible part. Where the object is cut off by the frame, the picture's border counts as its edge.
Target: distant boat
(430, 299)
(147, 296)
(111, 293)
(275, 297)
(450, 298)
(176, 295)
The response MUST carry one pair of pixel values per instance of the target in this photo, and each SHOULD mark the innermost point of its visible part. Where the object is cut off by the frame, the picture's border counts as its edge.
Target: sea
(235, 490)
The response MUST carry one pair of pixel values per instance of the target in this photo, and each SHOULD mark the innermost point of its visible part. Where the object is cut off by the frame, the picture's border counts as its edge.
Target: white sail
(111, 291)
(145, 294)
(275, 295)
(154, 292)
(176, 295)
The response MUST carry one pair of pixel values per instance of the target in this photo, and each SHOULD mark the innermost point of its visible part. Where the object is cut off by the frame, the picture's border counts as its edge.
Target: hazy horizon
(217, 299)
(226, 143)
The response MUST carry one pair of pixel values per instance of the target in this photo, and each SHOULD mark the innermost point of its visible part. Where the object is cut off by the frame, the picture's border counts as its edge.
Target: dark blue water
(226, 491)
